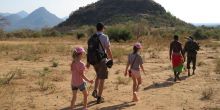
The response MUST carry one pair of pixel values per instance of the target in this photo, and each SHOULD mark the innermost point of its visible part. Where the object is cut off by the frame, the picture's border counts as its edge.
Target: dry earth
(40, 86)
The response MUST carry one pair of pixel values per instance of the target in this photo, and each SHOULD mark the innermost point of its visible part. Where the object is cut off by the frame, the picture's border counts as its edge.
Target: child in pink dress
(78, 77)
(135, 62)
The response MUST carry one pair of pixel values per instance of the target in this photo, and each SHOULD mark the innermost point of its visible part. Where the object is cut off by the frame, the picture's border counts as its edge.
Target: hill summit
(119, 11)
(38, 19)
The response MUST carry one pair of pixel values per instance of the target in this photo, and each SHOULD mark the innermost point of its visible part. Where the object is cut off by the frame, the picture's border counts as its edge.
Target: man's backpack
(94, 55)
(193, 47)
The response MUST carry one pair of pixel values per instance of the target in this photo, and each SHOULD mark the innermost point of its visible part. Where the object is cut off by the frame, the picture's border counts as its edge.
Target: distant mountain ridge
(13, 18)
(119, 11)
(38, 19)
(4, 14)
(22, 14)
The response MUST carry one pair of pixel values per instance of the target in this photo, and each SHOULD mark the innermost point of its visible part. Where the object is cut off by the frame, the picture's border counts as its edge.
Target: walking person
(191, 47)
(100, 56)
(78, 77)
(177, 57)
(135, 62)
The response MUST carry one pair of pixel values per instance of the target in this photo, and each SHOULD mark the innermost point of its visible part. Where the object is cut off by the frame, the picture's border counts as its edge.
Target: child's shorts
(82, 87)
(135, 73)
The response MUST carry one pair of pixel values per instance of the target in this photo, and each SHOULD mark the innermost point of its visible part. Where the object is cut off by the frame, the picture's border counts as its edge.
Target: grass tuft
(207, 94)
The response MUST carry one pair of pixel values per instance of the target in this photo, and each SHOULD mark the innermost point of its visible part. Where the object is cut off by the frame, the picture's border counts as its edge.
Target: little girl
(78, 77)
(135, 62)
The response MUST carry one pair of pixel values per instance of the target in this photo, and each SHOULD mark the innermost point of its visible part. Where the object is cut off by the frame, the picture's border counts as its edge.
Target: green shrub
(2, 34)
(199, 34)
(118, 34)
(36, 34)
(24, 33)
(90, 30)
(47, 32)
(80, 35)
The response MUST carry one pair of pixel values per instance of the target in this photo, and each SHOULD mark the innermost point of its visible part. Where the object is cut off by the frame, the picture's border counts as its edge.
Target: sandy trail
(158, 91)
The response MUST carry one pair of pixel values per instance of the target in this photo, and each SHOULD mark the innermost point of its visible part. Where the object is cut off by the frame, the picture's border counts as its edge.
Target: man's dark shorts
(191, 59)
(82, 87)
(101, 70)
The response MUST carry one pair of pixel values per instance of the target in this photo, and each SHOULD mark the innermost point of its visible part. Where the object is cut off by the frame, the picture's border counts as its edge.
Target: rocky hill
(119, 11)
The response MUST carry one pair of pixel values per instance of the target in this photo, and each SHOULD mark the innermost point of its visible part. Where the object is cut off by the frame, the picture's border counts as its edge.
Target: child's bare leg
(85, 96)
(134, 89)
(134, 84)
(139, 83)
(73, 99)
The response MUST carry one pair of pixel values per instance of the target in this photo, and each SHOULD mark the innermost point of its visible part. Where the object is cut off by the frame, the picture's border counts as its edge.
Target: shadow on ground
(79, 106)
(113, 107)
(119, 106)
(169, 82)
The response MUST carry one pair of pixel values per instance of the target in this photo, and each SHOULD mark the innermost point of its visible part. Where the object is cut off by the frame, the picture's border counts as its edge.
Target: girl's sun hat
(79, 50)
(138, 45)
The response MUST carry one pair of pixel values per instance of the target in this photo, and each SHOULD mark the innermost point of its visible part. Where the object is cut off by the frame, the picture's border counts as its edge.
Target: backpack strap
(100, 42)
(134, 61)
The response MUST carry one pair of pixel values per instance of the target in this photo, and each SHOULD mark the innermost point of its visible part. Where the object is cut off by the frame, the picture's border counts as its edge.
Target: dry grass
(213, 109)
(207, 94)
(120, 54)
(201, 63)
(122, 81)
(217, 68)
(33, 52)
(44, 82)
(54, 52)
(55, 64)
(8, 77)
(117, 72)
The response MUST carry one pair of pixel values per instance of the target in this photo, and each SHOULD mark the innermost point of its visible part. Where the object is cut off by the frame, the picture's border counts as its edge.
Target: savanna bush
(24, 33)
(80, 35)
(199, 34)
(2, 34)
(47, 32)
(117, 34)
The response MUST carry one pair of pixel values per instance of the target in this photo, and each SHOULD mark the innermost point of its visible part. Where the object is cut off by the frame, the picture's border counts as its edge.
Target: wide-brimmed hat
(190, 38)
(138, 45)
(79, 50)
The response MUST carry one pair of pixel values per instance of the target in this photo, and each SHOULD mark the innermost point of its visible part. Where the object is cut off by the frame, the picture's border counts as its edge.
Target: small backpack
(94, 55)
(192, 47)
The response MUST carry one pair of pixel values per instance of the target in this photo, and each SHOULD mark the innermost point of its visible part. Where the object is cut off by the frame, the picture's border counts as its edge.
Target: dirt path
(158, 91)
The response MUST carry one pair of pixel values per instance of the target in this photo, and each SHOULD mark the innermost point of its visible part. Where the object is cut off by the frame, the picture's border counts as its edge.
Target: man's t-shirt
(191, 47)
(104, 41)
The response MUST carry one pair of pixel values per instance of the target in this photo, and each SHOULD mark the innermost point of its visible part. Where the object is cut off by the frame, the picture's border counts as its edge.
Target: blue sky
(192, 11)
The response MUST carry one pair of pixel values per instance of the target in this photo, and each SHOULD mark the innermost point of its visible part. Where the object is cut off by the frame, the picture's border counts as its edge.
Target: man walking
(191, 47)
(99, 59)
(177, 56)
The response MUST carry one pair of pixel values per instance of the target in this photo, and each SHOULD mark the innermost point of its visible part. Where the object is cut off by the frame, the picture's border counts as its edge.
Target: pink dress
(77, 69)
